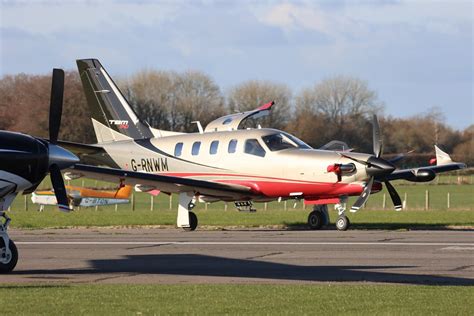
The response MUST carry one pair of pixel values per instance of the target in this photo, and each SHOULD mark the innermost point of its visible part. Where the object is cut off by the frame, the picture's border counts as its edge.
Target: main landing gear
(319, 217)
(8, 251)
(186, 219)
(193, 222)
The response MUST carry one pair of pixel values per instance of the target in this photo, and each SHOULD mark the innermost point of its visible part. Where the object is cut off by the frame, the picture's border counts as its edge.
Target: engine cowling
(341, 169)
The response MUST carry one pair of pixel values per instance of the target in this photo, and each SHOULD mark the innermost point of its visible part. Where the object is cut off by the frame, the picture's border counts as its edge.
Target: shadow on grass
(385, 226)
(213, 266)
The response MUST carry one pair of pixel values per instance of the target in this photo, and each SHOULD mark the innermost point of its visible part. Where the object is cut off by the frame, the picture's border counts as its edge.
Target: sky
(416, 55)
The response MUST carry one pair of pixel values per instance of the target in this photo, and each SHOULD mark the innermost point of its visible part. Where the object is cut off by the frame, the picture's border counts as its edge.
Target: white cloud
(355, 18)
(49, 17)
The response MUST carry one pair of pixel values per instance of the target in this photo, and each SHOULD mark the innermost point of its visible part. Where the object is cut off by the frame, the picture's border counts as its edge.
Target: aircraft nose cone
(61, 157)
(379, 167)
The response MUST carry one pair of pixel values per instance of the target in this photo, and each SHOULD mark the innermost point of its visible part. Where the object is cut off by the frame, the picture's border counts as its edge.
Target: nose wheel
(8, 251)
(342, 223)
(8, 256)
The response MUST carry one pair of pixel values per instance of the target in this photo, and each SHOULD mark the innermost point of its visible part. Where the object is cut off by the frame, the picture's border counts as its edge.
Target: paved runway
(245, 256)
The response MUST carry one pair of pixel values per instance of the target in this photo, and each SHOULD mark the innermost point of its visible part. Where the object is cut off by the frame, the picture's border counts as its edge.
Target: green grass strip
(293, 219)
(325, 299)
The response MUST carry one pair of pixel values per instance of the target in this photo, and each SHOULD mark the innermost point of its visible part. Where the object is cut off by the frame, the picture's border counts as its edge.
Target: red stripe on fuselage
(280, 187)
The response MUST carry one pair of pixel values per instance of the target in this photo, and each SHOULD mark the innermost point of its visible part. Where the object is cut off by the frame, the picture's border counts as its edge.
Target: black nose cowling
(378, 167)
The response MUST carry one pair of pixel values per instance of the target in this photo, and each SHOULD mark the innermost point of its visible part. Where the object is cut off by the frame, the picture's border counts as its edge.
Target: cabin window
(214, 146)
(253, 147)
(195, 149)
(280, 141)
(232, 146)
(227, 121)
(178, 149)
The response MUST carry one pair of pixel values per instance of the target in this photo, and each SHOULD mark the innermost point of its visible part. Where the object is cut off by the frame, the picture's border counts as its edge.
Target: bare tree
(24, 106)
(27, 98)
(336, 108)
(197, 98)
(76, 122)
(464, 151)
(169, 100)
(340, 97)
(150, 93)
(252, 94)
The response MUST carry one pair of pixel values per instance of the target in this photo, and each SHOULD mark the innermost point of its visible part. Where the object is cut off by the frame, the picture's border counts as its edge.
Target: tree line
(337, 108)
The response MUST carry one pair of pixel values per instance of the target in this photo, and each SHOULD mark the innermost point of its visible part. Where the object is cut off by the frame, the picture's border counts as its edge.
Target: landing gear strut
(342, 222)
(319, 217)
(187, 220)
(8, 251)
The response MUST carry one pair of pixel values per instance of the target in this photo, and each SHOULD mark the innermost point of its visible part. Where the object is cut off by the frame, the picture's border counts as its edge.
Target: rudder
(112, 117)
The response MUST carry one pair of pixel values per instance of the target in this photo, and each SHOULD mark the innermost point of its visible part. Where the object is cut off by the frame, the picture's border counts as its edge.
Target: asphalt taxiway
(242, 256)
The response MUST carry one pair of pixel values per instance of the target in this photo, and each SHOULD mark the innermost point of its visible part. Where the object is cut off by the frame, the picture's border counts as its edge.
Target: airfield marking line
(246, 243)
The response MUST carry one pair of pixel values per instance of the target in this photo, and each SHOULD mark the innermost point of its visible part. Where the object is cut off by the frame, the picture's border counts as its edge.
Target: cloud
(356, 18)
(50, 17)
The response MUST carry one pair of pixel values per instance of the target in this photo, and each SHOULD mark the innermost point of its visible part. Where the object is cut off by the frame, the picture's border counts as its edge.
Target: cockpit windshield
(280, 141)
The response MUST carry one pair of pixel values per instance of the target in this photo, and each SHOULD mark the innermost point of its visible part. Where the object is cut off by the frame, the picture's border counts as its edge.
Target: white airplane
(224, 163)
(84, 197)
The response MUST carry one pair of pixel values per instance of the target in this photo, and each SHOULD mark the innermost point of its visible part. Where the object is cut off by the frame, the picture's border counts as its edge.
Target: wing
(428, 173)
(422, 173)
(163, 183)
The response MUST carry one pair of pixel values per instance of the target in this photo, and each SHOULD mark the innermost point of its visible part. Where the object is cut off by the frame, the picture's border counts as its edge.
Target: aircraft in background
(84, 197)
(224, 163)
(24, 162)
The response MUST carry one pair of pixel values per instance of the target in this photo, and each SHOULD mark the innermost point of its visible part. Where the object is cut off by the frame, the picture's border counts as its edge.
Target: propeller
(376, 168)
(59, 158)
(56, 104)
(401, 156)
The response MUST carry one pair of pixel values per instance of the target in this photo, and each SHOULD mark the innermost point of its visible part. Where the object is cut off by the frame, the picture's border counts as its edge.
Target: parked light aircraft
(224, 163)
(84, 197)
(24, 162)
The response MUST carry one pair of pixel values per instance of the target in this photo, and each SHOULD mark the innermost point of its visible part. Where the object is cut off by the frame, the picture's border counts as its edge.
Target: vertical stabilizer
(112, 117)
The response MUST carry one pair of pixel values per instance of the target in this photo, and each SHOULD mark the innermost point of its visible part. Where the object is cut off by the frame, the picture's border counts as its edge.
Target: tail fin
(112, 117)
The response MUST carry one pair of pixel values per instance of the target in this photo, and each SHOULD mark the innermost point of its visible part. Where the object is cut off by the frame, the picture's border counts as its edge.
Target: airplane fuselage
(231, 157)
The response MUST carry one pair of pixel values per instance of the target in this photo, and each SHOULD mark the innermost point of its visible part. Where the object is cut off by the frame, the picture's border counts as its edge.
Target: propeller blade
(363, 197)
(377, 137)
(397, 201)
(56, 104)
(354, 159)
(399, 157)
(59, 188)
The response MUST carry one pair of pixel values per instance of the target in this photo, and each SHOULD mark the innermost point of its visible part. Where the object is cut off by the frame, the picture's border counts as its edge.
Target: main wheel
(193, 222)
(343, 223)
(10, 263)
(315, 220)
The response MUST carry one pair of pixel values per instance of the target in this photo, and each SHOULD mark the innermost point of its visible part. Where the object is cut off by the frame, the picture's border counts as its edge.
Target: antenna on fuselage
(201, 130)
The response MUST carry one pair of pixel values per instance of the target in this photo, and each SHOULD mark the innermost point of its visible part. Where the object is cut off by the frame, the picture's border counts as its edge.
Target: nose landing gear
(8, 251)
(342, 222)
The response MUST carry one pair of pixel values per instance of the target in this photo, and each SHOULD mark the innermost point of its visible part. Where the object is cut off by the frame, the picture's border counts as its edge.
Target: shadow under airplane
(203, 265)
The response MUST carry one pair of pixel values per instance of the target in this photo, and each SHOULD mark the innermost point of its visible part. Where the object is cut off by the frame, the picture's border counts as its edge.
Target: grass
(325, 299)
(460, 213)
(52, 218)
